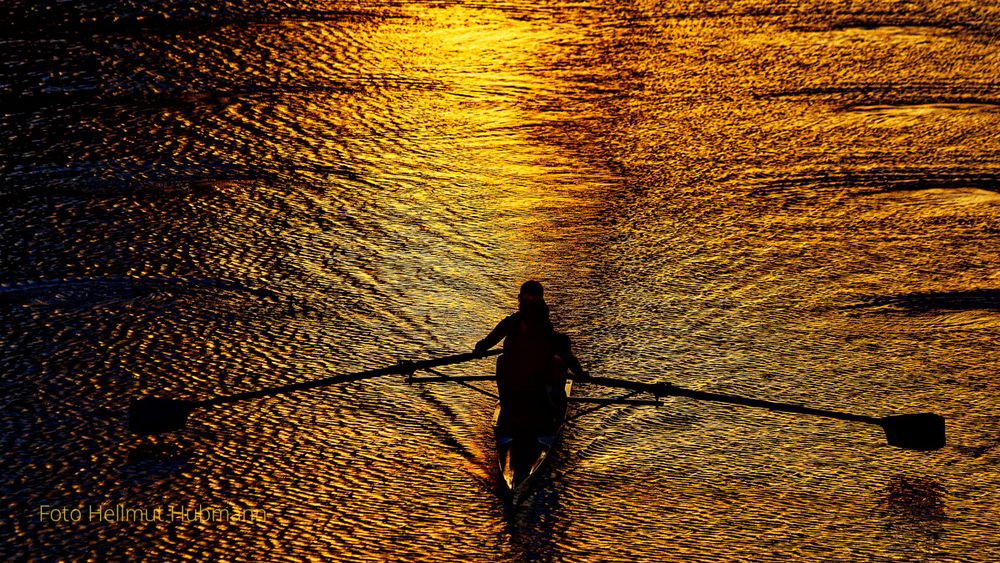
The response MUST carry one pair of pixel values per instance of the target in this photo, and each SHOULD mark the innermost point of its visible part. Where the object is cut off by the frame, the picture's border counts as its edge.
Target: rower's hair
(532, 287)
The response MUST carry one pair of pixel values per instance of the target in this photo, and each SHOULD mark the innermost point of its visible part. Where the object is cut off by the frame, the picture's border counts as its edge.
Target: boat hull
(520, 456)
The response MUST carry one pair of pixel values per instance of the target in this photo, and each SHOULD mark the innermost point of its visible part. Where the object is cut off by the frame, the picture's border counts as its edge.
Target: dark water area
(796, 202)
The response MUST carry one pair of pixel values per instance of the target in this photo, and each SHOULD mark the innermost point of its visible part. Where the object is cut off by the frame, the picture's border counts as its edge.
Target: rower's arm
(495, 336)
(572, 363)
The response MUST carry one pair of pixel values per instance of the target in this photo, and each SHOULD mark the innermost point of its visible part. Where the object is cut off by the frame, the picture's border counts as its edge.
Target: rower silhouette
(534, 366)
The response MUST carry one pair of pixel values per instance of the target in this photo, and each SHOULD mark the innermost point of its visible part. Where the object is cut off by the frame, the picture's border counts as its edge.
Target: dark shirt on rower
(532, 348)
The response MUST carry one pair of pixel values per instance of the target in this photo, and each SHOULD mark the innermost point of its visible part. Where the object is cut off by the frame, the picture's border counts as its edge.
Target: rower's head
(531, 290)
(531, 303)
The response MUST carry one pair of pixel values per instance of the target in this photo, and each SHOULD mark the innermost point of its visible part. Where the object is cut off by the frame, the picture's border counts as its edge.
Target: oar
(152, 415)
(924, 431)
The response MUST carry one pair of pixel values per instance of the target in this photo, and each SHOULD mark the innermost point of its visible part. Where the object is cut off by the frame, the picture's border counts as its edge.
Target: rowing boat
(521, 456)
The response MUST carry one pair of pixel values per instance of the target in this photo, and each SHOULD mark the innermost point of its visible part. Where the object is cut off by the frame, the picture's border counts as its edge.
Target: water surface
(796, 202)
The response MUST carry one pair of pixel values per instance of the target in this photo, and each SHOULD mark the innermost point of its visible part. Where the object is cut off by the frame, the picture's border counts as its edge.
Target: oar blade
(152, 415)
(924, 431)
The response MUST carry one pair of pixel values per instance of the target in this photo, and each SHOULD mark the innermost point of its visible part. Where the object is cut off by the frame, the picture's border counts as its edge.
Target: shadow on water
(157, 455)
(881, 181)
(925, 302)
(85, 290)
(985, 182)
(50, 191)
(531, 522)
(75, 20)
(914, 510)
(915, 498)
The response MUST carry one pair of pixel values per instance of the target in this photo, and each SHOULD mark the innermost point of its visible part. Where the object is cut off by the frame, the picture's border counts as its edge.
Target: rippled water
(791, 201)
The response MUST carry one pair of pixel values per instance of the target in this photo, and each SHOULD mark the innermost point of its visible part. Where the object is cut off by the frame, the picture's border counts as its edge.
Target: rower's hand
(582, 375)
(481, 348)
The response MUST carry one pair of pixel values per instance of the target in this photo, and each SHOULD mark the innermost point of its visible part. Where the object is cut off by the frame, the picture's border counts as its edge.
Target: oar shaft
(665, 389)
(449, 379)
(773, 406)
(398, 369)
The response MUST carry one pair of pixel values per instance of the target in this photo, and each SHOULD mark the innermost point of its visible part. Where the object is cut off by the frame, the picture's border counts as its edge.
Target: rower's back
(527, 372)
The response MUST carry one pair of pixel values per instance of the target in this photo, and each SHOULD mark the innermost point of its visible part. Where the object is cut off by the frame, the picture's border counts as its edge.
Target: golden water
(796, 202)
